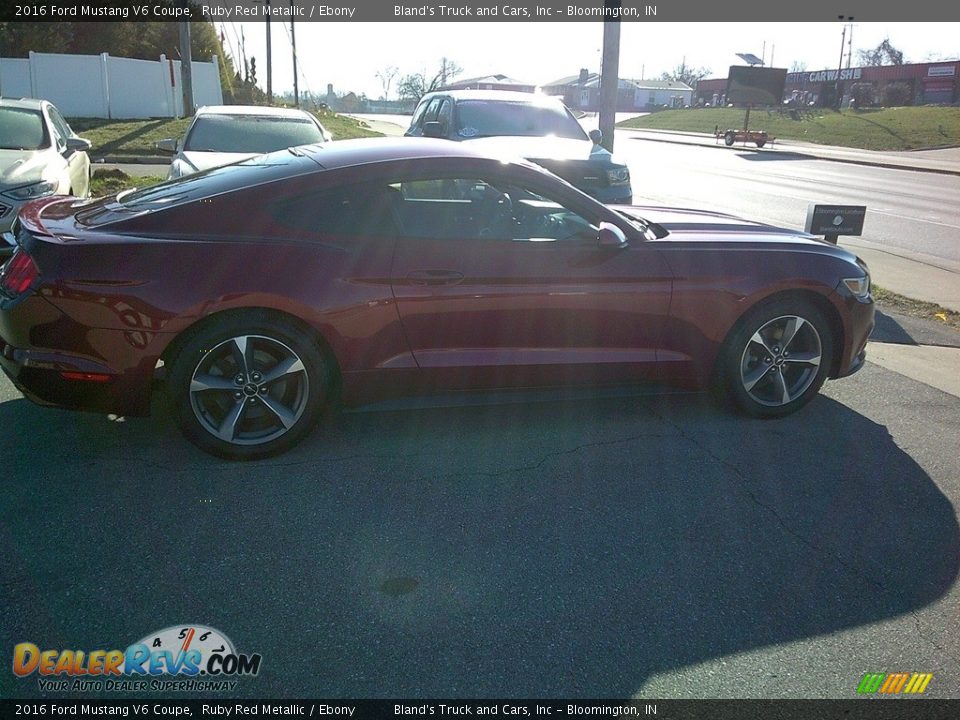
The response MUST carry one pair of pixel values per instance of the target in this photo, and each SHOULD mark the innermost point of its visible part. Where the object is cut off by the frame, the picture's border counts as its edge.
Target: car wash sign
(821, 76)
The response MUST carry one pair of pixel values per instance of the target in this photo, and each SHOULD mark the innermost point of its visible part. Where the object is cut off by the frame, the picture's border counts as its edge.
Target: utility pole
(186, 69)
(610, 74)
(850, 45)
(269, 59)
(293, 45)
(843, 40)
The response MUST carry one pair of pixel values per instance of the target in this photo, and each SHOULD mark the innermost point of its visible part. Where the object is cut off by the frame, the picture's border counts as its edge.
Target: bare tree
(386, 77)
(415, 85)
(883, 54)
(686, 74)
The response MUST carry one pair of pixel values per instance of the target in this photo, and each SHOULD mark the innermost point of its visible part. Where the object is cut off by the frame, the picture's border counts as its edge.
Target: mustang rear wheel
(248, 387)
(777, 358)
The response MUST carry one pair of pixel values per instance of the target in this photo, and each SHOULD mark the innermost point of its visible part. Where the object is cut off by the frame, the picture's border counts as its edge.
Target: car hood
(685, 224)
(197, 161)
(22, 167)
(543, 148)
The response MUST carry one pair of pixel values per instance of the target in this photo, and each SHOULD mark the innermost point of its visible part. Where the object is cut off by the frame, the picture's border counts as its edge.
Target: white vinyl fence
(102, 86)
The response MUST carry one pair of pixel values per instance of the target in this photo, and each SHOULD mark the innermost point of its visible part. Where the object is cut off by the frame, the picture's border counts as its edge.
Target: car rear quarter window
(255, 171)
(367, 209)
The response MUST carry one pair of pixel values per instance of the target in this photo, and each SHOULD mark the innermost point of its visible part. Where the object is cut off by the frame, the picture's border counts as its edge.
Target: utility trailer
(760, 137)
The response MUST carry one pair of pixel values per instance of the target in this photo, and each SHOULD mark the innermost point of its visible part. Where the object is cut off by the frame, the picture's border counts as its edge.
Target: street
(914, 211)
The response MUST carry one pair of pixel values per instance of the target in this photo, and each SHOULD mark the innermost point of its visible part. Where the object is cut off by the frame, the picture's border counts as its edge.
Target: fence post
(216, 74)
(105, 83)
(33, 82)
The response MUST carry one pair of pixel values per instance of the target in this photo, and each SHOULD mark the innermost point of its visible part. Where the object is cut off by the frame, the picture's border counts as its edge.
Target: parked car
(533, 126)
(39, 155)
(260, 292)
(223, 134)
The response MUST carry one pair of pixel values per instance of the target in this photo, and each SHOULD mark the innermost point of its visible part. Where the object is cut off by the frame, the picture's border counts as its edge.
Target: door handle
(434, 277)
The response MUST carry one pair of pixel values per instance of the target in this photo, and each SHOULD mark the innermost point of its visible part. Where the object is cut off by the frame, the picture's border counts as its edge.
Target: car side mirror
(596, 136)
(610, 236)
(169, 146)
(432, 129)
(78, 144)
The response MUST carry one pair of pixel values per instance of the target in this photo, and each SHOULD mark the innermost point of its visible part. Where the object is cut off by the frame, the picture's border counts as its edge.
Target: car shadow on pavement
(559, 549)
(888, 330)
(772, 154)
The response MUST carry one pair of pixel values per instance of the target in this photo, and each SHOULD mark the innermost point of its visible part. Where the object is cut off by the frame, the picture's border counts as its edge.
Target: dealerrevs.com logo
(187, 658)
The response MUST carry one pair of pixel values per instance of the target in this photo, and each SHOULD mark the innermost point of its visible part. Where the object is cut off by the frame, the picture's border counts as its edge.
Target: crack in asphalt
(541, 462)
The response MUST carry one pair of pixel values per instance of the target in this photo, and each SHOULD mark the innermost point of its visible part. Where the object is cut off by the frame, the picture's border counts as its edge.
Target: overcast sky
(350, 54)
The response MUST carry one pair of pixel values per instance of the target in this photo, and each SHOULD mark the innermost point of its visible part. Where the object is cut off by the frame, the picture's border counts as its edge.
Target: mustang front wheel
(777, 358)
(246, 390)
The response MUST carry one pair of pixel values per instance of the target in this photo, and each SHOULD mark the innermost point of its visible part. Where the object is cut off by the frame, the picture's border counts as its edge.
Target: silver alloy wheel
(781, 360)
(249, 390)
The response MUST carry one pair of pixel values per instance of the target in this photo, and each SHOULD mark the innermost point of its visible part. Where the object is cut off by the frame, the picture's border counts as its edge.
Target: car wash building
(936, 83)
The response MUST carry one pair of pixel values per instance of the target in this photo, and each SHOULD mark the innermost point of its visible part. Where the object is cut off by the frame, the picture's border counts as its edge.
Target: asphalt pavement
(649, 546)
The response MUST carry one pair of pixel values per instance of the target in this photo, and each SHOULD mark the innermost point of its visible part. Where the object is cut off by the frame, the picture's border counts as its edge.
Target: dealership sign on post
(832, 221)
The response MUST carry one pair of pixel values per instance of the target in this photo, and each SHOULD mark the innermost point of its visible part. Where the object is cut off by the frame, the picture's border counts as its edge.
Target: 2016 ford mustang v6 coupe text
(257, 293)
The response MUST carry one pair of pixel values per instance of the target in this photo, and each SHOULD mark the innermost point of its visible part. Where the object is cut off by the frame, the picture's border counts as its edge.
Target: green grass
(110, 182)
(127, 138)
(903, 128)
(138, 138)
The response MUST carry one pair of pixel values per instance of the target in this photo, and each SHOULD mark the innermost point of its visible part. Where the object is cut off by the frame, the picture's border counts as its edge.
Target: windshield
(479, 118)
(21, 129)
(250, 133)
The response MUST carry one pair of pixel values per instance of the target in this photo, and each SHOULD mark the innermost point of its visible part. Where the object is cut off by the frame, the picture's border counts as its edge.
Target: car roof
(497, 96)
(22, 103)
(258, 110)
(362, 151)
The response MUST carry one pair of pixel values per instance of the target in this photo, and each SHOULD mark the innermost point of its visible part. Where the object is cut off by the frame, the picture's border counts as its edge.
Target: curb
(849, 161)
(137, 160)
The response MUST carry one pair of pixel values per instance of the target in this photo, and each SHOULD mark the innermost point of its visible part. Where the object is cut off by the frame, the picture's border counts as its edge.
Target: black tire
(730, 138)
(761, 143)
(765, 378)
(248, 385)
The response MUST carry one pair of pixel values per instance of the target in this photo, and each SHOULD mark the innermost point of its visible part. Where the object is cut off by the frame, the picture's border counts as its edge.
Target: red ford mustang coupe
(255, 294)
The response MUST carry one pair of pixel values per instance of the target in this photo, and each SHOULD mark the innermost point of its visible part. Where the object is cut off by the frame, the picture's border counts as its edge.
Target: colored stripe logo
(894, 683)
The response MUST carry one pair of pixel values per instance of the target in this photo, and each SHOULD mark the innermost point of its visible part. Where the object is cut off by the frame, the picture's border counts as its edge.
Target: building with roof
(491, 82)
(582, 92)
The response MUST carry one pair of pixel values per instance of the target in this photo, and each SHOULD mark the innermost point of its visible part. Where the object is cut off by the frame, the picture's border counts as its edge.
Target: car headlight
(618, 176)
(36, 190)
(859, 286)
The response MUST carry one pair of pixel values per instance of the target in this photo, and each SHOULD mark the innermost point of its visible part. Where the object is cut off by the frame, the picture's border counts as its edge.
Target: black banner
(863, 709)
(476, 10)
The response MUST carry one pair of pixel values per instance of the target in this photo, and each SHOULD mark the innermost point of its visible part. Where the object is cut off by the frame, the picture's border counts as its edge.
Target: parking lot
(604, 546)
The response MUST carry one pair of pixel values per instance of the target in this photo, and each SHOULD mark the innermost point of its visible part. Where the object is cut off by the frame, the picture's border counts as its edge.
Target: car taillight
(18, 274)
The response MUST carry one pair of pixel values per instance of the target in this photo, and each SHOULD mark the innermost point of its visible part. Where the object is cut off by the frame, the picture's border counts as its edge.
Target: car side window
(480, 209)
(445, 116)
(61, 131)
(416, 122)
(433, 110)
